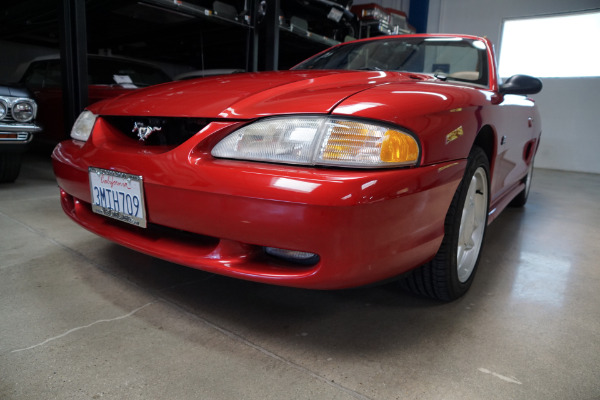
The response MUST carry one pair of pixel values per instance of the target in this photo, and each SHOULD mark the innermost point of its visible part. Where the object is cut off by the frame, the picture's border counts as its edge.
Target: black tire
(521, 199)
(445, 277)
(10, 166)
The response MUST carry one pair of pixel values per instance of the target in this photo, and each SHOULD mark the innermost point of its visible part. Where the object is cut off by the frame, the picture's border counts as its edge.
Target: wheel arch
(486, 140)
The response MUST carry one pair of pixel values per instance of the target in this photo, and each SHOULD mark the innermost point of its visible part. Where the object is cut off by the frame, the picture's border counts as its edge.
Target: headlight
(3, 109)
(82, 128)
(23, 110)
(320, 141)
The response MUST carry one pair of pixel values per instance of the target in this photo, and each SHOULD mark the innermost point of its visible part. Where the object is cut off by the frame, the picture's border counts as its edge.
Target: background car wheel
(10, 166)
(450, 274)
(521, 198)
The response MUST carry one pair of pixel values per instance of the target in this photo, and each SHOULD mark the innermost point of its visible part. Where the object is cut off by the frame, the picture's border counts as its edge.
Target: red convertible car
(374, 159)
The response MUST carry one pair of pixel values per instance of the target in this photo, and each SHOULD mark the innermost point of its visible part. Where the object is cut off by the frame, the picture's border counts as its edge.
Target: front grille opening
(165, 131)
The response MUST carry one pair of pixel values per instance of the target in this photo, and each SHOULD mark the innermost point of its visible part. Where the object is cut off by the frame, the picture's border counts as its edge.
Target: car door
(517, 131)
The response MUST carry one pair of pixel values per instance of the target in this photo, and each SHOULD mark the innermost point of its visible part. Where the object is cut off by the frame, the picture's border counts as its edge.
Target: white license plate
(118, 195)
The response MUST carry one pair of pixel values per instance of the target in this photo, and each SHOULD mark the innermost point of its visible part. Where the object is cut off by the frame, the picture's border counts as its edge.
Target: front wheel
(10, 166)
(450, 274)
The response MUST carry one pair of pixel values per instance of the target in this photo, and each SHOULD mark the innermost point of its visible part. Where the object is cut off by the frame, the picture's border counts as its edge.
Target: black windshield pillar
(73, 52)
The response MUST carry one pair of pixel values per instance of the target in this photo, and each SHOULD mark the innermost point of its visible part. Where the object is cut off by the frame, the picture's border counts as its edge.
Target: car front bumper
(15, 137)
(219, 215)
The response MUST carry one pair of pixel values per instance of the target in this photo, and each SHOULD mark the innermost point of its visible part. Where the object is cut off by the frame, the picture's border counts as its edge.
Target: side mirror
(521, 84)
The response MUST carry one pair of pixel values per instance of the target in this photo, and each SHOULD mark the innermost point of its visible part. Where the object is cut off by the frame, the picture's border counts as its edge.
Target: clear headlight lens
(82, 128)
(320, 141)
(23, 110)
(3, 109)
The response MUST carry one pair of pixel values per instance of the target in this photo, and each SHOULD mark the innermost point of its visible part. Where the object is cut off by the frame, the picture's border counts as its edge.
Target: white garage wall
(569, 106)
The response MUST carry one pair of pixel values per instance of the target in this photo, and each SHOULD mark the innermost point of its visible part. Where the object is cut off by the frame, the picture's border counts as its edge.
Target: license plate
(118, 195)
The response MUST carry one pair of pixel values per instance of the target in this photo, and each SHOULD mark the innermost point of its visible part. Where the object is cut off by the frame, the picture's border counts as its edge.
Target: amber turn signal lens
(360, 143)
(398, 147)
(348, 141)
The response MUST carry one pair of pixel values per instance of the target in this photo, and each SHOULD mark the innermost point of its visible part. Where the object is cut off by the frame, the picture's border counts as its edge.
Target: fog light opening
(293, 256)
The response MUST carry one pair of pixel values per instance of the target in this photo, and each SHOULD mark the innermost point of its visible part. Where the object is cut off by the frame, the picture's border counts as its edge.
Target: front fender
(445, 117)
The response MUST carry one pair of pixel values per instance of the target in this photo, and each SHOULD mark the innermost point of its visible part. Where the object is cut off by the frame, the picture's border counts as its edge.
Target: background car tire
(10, 166)
(521, 198)
(450, 274)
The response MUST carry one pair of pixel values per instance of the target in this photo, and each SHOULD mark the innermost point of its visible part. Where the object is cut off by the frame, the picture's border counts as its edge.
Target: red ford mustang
(374, 159)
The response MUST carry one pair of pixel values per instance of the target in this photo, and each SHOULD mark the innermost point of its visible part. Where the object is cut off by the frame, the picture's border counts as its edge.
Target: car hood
(13, 90)
(251, 95)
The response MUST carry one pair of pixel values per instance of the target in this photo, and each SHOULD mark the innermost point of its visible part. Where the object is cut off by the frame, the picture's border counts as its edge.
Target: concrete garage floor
(82, 318)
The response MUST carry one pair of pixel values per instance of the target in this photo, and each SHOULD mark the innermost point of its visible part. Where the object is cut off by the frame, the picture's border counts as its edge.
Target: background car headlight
(82, 128)
(23, 110)
(320, 141)
(3, 109)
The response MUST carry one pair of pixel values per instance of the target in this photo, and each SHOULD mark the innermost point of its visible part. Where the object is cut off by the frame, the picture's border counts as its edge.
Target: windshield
(454, 58)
